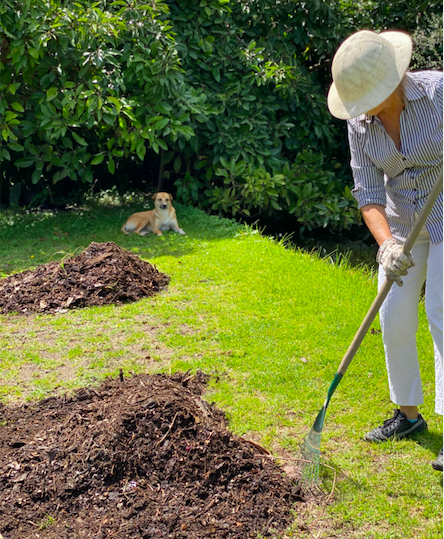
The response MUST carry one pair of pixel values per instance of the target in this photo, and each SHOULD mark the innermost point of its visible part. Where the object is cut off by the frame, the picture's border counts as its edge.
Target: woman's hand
(393, 260)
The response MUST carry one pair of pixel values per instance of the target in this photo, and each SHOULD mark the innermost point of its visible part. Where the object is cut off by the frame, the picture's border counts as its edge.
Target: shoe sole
(437, 467)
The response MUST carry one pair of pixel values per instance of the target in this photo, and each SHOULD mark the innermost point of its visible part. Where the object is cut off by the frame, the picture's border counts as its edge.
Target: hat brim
(343, 110)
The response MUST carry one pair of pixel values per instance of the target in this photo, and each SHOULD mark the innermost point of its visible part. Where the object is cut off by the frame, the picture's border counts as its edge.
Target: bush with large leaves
(83, 84)
(224, 99)
(262, 68)
(91, 85)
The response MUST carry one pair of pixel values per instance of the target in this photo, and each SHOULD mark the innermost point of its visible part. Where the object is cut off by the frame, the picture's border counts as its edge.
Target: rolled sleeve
(369, 180)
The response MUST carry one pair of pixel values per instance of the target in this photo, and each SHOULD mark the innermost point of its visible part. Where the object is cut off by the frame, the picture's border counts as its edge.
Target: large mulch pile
(102, 274)
(139, 457)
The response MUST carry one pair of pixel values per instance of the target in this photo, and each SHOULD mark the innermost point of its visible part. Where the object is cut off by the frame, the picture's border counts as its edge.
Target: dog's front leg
(176, 228)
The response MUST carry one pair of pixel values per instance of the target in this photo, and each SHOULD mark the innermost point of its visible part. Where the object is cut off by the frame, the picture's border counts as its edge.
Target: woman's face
(379, 108)
(393, 101)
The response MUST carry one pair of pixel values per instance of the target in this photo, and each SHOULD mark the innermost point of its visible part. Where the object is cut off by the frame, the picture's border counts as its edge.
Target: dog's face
(162, 201)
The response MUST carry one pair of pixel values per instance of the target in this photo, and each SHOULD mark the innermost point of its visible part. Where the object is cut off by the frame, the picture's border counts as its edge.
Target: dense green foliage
(428, 44)
(82, 85)
(392, 14)
(272, 126)
(223, 102)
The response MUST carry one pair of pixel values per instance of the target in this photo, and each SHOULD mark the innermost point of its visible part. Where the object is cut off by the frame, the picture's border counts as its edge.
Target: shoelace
(388, 422)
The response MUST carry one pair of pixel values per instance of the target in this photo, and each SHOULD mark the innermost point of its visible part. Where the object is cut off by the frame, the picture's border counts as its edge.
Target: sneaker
(396, 427)
(437, 463)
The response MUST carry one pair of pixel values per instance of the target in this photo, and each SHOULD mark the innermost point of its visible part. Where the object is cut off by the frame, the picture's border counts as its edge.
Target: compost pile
(102, 274)
(138, 457)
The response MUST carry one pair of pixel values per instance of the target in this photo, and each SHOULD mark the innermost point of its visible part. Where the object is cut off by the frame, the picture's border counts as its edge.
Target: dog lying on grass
(163, 217)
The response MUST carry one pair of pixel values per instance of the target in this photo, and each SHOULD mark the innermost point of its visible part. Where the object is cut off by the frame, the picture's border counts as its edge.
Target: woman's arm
(390, 254)
(376, 220)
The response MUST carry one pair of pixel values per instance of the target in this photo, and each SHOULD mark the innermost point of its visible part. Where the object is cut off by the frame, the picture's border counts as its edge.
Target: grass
(270, 323)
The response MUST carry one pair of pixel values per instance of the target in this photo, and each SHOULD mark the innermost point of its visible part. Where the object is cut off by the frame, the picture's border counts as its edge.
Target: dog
(163, 217)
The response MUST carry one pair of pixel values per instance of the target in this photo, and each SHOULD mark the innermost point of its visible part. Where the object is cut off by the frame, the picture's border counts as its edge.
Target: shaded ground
(102, 274)
(140, 457)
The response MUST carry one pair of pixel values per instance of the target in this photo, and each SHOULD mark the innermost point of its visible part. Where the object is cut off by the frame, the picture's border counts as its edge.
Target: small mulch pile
(142, 457)
(102, 274)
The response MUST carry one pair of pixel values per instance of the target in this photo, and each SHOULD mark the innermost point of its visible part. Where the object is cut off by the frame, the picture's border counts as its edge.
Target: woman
(395, 131)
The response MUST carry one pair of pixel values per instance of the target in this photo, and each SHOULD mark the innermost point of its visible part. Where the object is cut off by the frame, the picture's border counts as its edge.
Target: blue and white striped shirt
(401, 180)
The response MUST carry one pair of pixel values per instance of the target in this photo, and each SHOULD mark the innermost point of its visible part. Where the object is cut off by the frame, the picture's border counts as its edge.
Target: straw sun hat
(367, 69)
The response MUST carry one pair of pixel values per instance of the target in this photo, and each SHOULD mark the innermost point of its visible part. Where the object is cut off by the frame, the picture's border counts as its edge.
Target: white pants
(399, 322)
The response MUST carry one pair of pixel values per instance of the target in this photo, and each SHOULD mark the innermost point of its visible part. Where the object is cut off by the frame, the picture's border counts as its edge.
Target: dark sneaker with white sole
(437, 463)
(396, 427)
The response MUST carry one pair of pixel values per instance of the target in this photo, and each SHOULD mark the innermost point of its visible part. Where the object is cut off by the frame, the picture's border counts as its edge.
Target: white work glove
(393, 260)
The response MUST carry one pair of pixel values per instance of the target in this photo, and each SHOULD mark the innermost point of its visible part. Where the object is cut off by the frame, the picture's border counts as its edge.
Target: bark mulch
(102, 274)
(138, 457)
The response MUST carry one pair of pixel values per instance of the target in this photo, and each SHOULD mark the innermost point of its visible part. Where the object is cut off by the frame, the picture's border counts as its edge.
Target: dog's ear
(171, 197)
(154, 196)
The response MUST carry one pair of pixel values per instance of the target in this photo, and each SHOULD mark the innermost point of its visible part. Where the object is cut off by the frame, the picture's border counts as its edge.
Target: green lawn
(271, 324)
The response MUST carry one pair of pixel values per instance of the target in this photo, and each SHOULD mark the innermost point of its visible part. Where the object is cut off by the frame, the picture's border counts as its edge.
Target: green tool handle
(376, 305)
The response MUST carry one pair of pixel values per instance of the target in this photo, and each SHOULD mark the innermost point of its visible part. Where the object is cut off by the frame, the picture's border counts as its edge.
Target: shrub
(84, 84)
(427, 52)
(225, 100)
(304, 189)
(262, 71)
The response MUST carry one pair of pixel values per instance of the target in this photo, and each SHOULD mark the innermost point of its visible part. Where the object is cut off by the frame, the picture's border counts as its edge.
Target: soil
(102, 274)
(138, 457)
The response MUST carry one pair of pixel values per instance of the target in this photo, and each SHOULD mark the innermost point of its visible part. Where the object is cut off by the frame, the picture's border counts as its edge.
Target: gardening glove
(394, 262)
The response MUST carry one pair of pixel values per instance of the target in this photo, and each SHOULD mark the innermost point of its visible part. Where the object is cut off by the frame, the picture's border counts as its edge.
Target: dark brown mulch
(102, 274)
(142, 457)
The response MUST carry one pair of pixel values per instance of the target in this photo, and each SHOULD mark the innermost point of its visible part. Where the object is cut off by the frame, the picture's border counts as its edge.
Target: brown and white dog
(163, 217)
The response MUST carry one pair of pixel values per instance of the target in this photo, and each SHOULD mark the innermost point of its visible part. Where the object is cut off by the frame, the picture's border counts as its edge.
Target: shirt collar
(413, 88)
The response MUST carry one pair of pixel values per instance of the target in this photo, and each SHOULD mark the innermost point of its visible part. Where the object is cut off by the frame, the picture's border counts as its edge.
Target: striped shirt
(401, 180)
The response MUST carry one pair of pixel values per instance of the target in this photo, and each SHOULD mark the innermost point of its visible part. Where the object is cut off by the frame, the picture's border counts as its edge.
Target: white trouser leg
(434, 304)
(399, 322)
